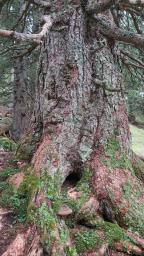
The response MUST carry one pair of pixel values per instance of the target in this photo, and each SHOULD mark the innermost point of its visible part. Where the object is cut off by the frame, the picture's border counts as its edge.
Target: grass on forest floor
(140, 118)
(137, 140)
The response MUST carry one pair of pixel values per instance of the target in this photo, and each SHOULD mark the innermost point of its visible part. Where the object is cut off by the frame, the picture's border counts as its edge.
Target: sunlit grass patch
(137, 140)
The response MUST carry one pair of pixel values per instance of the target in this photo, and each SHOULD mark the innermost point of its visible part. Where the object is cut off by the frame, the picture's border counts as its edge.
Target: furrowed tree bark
(73, 104)
(80, 115)
(96, 7)
(23, 99)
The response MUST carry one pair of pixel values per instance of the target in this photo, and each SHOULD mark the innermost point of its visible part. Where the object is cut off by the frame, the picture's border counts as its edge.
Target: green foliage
(70, 251)
(9, 196)
(134, 216)
(48, 223)
(47, 220)
(112, 147)
(84, 183)
(51, 185)
(32, 213)
(131, 192)
(112, 231)
(7, 144)
(45, 217)
(28, 186)
(71, 220)
(6, 173)
(84, 187)
(64, 234)
(10, 199)
(18, 199)
(127, 190)
(86, 240)
(135, 103)
(104, 231)
(3, 185)
(8, 49)
(114, 158)
(5, 199)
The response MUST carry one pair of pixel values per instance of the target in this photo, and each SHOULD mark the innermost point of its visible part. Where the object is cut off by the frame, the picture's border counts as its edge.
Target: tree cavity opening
(72, 180)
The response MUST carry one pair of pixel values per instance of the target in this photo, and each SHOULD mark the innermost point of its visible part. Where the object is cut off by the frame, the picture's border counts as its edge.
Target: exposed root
(138, 240)
(128, 247)
(17, 247)
(25, 244)
(102, 250)
(108, 200)
(122, 190)
(7, 230)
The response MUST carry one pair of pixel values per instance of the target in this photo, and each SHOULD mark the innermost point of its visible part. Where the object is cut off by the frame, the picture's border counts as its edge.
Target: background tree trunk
(23, 99)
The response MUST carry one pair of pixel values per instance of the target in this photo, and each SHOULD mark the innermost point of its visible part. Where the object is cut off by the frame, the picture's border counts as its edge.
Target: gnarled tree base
(98, 212)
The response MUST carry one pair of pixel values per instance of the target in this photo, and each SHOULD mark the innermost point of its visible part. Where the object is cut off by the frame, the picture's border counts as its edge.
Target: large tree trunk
(85, 127)
(83, 110)
(79, 114)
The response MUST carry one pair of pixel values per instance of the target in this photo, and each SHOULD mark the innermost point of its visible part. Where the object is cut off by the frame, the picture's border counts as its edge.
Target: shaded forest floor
(9, 227)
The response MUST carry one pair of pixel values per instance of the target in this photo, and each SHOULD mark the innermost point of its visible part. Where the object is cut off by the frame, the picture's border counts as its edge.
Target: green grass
(7, 172)
(137, 140)
(140, 118)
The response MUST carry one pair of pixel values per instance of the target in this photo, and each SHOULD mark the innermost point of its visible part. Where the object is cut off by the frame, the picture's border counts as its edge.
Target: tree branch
(132, 58)
(134, 3)
(93, 7)
(135, 23)
(36, 38)
(103, 84)
(118, 34)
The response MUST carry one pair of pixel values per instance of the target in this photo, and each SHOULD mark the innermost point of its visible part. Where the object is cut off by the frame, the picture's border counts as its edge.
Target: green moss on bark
(18, 199)
(134, 217)
(114, 158)
(103, 233)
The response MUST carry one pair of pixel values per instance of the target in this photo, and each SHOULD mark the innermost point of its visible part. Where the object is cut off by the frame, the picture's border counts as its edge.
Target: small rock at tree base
(64, 210)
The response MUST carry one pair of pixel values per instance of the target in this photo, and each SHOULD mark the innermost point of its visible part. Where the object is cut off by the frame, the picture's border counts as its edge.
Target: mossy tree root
(107, 202)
